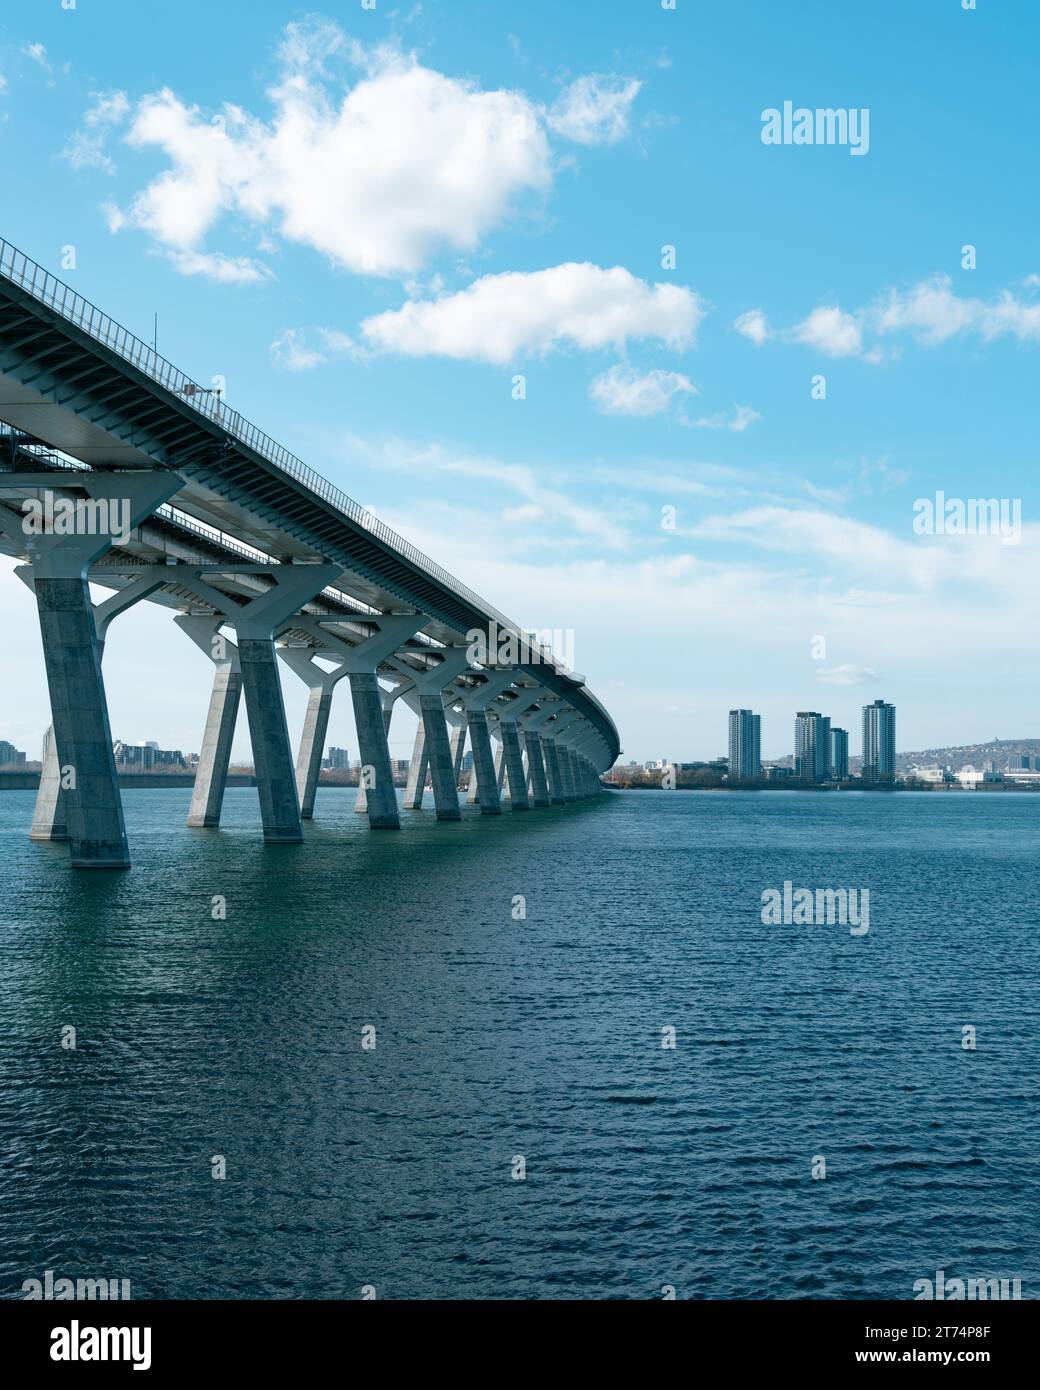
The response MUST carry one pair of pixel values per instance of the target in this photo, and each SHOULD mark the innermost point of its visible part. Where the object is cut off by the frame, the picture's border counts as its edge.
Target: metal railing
(55, 294)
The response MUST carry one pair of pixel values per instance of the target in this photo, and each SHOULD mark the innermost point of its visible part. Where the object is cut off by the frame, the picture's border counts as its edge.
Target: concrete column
(321, 686)
(257, 624)
(312, 747)
(484, 784)
(71, 650)
(372, 711)
(79, 709)
(557, 791)
(386, 702)
(514, 766)
(458, 749)
(49, 821)
(500, 766)
(417, 770)
(566, 775)
(444, 665)
(269, 736)
(483, 763)
(536, 767)
(381, 799)
(207, 797)
(442, 775)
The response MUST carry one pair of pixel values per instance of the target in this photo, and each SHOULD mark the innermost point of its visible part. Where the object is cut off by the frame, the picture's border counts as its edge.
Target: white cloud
(594, 110)
(226, 270)
(38, 54)
(736, 423)
(931, 312)
(378, 176)
(623, 391)
(499, 316)
(846, 675)
(754, 325)
(85, 148)
(295, 350)
(831, 331)
(539, 501)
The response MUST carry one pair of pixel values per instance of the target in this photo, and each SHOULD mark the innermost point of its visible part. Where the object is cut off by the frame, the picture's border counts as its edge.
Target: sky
(528, 282)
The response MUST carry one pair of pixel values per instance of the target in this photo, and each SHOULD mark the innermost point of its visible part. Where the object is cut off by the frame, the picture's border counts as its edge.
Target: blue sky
(370, 222)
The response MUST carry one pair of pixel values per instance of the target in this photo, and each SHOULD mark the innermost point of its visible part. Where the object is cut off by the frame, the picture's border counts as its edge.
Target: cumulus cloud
(754, 325)
(933, 313)
(499, 316)
(930, 312)
(366, 156)
(623, 391)
(831, 331)
(85, 148)
(594, 110)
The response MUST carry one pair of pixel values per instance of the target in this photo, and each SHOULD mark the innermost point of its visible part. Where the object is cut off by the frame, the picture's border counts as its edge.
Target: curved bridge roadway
(118, 469)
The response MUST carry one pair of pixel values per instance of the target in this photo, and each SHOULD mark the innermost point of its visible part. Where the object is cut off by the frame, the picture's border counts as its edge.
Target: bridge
(117, 470)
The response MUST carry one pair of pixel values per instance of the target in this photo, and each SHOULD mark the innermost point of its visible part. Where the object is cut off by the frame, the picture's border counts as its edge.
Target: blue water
(539, 1037)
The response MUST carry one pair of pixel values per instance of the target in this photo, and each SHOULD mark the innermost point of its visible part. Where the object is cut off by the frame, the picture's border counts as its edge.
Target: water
(540, 1037)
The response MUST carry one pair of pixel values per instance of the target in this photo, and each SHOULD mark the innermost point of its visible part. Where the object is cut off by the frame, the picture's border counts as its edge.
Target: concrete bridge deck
(238, 536)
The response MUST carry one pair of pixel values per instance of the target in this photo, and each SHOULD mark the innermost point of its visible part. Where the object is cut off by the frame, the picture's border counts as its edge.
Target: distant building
(1022, 762)
(840, 755)
(338, 759)
(10, 756)
(778, 774)
(146, 756)
(812, 746)
(879, 742)
(745, 744)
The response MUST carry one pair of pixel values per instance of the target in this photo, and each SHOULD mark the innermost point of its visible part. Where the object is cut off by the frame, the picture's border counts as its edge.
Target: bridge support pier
(436, 750)
(445, 788)
(207, 796)
(372, 715)
(458, 749)
(484, 784)
(49, 821)
(417, 770)
(536, 768)
(483, 763)
(374, 751)
(269, 737)
(79, 710)
(552, 766)
(88, 788)
(514, 763)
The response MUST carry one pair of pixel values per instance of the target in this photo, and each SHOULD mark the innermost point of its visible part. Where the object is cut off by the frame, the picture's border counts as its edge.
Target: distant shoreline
(794, 786)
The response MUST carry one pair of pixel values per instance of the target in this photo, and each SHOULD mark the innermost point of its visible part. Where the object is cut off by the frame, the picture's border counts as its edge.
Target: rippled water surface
(540, 1037)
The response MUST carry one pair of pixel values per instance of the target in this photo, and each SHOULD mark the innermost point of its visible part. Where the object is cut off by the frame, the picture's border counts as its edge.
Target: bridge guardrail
(72, 306)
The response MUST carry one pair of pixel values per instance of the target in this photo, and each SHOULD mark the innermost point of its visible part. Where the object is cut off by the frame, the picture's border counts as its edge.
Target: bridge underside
(257, 556)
